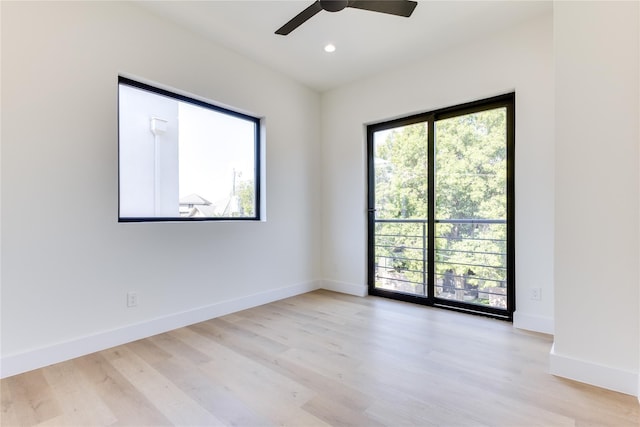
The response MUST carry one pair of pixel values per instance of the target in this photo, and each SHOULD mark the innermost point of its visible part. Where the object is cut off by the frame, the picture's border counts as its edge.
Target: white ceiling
(366, 42)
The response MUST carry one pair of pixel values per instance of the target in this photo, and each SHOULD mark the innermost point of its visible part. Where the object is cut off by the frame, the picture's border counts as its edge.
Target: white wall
(597, 193)
(67, 262)
(520, 59)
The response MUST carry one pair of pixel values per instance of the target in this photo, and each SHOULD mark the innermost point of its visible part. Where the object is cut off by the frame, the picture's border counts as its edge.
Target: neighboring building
(195, 206)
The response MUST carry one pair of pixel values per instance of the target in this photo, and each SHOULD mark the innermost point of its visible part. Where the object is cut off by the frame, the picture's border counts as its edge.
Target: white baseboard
(344, 288)
(26, 361)
(533, 323)
(590, 373)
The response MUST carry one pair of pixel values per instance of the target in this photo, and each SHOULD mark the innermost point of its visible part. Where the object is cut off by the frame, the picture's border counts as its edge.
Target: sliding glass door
(441, 207)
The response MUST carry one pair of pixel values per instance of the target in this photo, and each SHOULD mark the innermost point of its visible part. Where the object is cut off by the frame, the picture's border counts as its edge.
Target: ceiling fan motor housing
(333, 5)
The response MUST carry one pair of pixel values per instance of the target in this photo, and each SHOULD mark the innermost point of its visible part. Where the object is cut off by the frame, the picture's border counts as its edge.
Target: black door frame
(507, 101)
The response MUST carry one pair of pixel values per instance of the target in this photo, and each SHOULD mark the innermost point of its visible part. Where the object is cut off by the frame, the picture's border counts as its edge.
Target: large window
(441, 214)
(183, 159)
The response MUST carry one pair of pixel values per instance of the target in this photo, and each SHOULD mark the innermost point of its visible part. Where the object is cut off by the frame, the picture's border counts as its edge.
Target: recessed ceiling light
(330, 48)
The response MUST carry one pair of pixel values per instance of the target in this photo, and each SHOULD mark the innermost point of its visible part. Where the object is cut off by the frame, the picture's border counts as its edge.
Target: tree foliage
(246, 197)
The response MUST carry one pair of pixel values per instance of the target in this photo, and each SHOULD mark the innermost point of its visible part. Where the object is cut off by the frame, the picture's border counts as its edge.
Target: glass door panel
(471, 208)
(400, 185)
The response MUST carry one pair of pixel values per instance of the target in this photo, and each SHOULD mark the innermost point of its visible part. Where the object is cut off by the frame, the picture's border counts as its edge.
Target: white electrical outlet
(132, 299)
(535, 294)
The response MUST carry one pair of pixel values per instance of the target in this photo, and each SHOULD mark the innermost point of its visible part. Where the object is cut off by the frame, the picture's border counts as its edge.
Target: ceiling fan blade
(392, 7)
(300, 19)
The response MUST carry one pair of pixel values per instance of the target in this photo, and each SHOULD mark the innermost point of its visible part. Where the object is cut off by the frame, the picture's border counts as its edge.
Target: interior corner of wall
(533, 323)
(344, 287)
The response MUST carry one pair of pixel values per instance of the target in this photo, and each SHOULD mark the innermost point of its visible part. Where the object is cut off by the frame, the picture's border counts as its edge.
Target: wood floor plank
(319, 359)
(225, 364)
(150, 352)
(322, 384)
(172, 345)
(421, 412)
(213, 397)
(8, 415)
(241, 341)
(78, 396)
(336, 413)
(32, 398)
(128, 404)
(168, 399)
(274, 396)
(278, 403)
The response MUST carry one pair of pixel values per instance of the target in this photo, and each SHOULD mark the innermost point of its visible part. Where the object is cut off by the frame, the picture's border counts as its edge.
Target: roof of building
(194, 199)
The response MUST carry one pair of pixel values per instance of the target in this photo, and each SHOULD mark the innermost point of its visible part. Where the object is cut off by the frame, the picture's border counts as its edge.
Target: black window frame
(208, 105)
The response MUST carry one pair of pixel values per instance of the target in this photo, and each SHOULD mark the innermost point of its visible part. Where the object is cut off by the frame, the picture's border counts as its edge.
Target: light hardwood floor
(318, 359)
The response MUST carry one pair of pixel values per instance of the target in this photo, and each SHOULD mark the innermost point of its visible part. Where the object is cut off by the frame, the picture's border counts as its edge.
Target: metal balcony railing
(470, 258)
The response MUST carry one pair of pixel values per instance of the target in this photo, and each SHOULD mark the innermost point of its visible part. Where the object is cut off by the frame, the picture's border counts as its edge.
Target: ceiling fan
(392, 7)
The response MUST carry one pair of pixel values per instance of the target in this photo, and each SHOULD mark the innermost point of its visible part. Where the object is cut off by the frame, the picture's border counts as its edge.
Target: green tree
(401, 178)
(246, 197)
